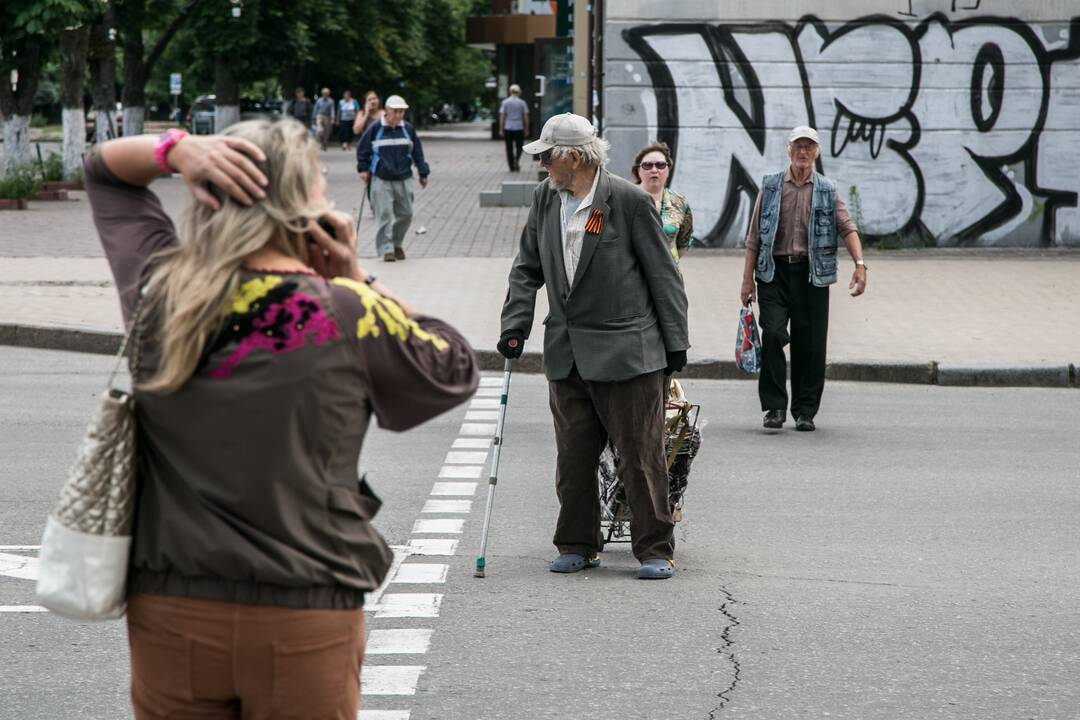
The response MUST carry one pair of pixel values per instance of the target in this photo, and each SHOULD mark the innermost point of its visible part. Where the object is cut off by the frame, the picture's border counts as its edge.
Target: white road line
(413, 641)
(22, 609)
(23, 567)
(472, 443)
(461, 471)
(478, 429)
(481, 415)
(448, 506)
(426, 573)
(439, 526)
(491, 381)
(484, 403)
(383, 715)
(410, 605)
(432, 546)
(490, 391)
(457, 457)
(20, 547)
(390, 679)
(454, 488)
(371, 599)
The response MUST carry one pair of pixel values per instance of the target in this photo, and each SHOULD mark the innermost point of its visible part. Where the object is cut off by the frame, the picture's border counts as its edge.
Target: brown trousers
(630, 412)
(209, 660)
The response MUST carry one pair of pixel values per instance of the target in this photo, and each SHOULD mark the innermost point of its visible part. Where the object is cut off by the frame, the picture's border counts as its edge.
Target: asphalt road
(917, 557)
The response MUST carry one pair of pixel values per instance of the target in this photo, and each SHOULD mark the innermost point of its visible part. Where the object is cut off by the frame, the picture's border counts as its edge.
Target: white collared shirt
(573, 227)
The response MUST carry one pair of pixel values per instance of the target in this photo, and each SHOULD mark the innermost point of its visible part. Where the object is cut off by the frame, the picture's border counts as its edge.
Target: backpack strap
(375, 148)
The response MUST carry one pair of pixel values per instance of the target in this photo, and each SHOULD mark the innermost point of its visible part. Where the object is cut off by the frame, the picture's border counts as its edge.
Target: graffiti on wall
(960, 133)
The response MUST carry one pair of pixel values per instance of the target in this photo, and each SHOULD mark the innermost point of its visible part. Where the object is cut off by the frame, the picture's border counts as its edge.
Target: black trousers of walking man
(792, 298)
(515, 141)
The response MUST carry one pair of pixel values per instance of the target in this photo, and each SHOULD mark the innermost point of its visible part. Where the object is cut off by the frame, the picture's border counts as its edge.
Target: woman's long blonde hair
(192, 286)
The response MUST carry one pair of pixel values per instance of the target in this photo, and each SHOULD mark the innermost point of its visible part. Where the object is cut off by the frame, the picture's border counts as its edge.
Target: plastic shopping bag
(748, 342)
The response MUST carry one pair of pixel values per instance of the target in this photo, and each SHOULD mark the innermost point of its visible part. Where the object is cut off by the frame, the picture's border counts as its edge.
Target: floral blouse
(678, 222)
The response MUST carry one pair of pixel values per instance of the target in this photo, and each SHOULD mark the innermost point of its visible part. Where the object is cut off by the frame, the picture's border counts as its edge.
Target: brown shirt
(795, 201)
(248, 474)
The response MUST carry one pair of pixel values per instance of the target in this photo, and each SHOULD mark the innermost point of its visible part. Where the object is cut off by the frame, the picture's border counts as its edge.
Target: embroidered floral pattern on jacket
(386, 314)
(269, 314)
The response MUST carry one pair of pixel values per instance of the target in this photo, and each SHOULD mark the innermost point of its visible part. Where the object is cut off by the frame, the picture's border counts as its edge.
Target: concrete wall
(956, 121)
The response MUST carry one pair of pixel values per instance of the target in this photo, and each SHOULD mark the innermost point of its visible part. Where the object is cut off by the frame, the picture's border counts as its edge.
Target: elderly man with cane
(791, 251)
(617, 327)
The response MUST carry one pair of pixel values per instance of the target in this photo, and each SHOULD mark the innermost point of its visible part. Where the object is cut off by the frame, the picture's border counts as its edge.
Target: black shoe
(774, 419)
(805, 423)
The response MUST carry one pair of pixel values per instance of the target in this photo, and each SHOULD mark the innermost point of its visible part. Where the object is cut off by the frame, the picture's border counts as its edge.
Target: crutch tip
(479, 568)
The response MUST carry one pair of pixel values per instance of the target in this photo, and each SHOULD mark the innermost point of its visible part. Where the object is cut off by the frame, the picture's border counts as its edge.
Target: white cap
(803, 131)
(566, 130)
(515, 89)
(396, 102)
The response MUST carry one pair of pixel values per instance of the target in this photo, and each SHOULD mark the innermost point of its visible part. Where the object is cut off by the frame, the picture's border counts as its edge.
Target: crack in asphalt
(727, 650)
(826, 580)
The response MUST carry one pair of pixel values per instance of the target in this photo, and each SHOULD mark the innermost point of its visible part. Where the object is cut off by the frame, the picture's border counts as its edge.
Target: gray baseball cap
(803, 131)
(566, 130)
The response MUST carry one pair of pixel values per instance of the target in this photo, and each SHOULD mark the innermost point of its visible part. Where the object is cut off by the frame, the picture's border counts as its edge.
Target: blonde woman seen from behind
(263, 351)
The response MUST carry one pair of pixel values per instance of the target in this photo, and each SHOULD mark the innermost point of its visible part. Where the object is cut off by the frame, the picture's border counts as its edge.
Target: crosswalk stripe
(22, 609)
(448, 506)
(409, 641)
(495, 391)
(482, 415)
(421, 573)
(390, 679)
(491, 381)
(454, 488)
(484, 403)
(458, 457)
(471, 443)
(438, 526)
(461, 471)
(23, 567)
(478, 429)
(383, 715)
(432, 546)
(409, 605)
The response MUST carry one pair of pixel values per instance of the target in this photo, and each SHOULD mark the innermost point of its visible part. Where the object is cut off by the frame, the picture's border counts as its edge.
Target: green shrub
(53, 167)
(38, 121)
(20, 181)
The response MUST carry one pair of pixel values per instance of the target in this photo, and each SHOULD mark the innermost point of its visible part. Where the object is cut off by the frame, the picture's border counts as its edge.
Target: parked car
(251, 108)
(201, 116)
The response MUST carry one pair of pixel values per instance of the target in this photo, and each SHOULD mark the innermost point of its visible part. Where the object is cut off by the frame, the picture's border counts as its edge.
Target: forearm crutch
(481, 561)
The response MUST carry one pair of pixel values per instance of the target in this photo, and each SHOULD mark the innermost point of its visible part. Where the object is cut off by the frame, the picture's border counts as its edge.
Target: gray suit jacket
(626, 306)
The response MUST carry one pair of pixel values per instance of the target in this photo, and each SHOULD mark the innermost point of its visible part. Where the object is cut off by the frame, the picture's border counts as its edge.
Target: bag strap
(128, 336)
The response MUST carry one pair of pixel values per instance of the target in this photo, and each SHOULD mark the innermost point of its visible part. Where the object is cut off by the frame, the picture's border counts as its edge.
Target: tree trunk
(102, 55)
(134, 95)
(73, 49)
(16, 104)
(227, 91)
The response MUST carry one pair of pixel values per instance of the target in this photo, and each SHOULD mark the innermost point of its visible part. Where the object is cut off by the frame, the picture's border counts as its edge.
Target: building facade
(944, 122)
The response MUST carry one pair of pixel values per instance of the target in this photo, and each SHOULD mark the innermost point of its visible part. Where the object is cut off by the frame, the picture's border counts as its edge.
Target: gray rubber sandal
(656, 569)
(572, 562)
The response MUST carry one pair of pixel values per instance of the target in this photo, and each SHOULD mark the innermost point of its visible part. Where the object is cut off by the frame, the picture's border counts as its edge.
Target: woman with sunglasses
(651, 170)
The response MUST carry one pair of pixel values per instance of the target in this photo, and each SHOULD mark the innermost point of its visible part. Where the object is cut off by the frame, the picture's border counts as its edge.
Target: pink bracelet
(165, 143)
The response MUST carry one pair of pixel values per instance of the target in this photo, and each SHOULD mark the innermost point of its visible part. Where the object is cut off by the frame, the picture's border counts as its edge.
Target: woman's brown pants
(215, 660)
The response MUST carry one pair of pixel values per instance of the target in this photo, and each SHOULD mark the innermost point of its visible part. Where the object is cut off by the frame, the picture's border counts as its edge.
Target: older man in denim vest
(791, 250)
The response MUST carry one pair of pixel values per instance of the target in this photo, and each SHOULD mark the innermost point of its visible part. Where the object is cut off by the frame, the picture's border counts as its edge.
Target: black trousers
(515, 141)
(630, 413)
(791, 299)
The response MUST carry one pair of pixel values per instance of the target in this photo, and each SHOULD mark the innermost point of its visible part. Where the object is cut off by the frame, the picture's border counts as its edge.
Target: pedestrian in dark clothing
(300, 108)
(262, 350)
(514, 126)
(384, 158)
(348, 107)
(617, 326)
(791, 251)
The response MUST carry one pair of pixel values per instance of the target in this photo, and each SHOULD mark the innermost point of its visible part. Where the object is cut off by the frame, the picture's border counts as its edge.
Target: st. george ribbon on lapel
(595, 223)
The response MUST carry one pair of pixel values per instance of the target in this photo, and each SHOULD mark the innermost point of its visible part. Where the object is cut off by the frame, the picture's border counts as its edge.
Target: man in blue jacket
(384, 159)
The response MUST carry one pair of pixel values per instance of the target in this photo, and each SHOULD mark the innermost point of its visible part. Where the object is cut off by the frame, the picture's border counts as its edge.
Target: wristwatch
(369, 279)
(859, 263)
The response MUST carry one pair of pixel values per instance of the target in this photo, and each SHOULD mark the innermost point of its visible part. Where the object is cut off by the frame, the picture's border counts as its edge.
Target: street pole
(581, 59)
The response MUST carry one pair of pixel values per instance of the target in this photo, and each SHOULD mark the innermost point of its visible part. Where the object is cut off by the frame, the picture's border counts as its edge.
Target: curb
(932, 373)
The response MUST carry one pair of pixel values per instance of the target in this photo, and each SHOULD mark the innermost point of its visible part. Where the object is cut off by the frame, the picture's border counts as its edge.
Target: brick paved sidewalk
(988, 309)
(463, 162)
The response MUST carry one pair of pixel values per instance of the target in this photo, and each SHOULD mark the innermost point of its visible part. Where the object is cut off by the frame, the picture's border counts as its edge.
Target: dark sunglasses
(660, 165)
(545, 158)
